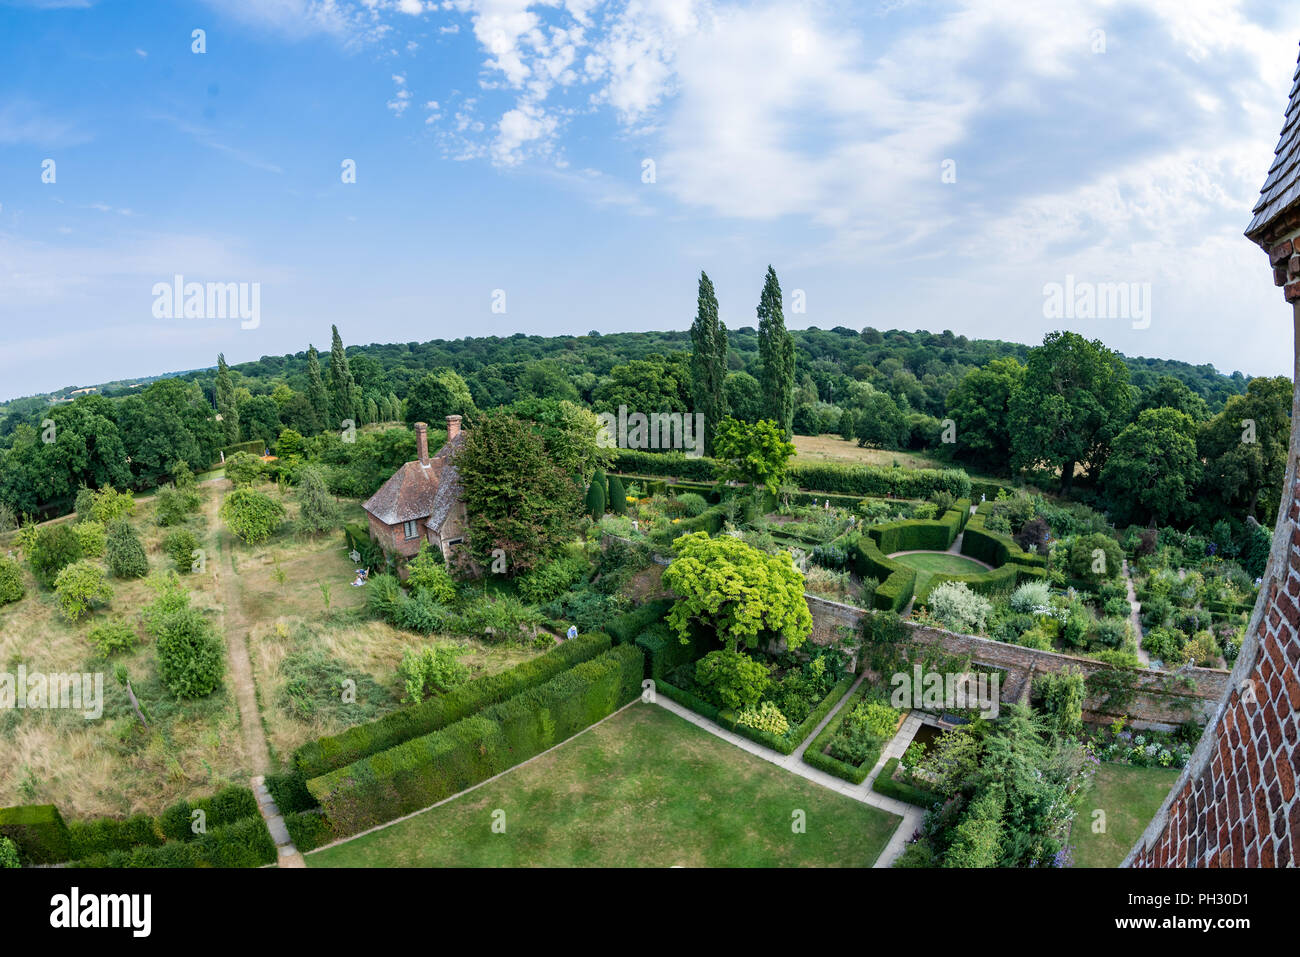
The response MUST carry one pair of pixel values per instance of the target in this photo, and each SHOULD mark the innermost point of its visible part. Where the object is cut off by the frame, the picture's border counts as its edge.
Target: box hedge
(38, 831)
(814, 754)
(627, 627)
(665, 651)
(339, 750)
(105, 834)
(245, 843)
(309, 829)
(230, 804)
(427, 769)
(901, 791)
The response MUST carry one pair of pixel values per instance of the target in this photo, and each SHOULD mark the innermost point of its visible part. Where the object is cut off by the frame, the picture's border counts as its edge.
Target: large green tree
(1074, 399)
(318, 399)
(708, 361)
(342, 385)
(776, 355)
(1244, 448)
(226, 402)
(980, 408)
(516, 496)
(744, 397)
(756, 452)
(1153, 470)
(437, 395)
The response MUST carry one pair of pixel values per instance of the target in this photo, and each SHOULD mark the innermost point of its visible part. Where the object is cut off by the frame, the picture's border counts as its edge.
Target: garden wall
(1159, 698)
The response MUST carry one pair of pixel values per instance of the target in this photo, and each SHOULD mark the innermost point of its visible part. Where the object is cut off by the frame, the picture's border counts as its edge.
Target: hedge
(245, 843)
(897, 581)
(815, 757)
(995, 549)
(106, 834)
(857, 480)
(688, 700)
(340, 750)
(626, 628)
(665, 650)
(38, 831)
(252, 447)
(227, 806)
(789, 742)
(424, 770)
(309, 829)
(909, 793)
(289, 792)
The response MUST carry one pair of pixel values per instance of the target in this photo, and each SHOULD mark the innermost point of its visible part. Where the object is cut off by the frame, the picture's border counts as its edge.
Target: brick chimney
(422, 442)
(453, 427)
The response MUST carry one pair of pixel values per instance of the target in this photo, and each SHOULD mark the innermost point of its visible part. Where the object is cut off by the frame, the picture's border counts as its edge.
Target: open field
(301, 648)
(1130, 797)
(832, 448)
(643, 789)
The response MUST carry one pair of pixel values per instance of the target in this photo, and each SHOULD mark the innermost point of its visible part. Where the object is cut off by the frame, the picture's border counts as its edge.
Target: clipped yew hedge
(244, 843)
(626, 628)
(340, 750)
(900, 790)
(424, 770)
(38, 831)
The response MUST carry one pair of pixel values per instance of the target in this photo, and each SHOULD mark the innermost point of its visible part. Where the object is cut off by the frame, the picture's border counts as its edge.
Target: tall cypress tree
(776, 354)
(226, 402)
(342, 385)
(317, 397)
(708, 361)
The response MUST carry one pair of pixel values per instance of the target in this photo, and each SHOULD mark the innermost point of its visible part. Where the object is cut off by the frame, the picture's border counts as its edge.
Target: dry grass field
(832, 448)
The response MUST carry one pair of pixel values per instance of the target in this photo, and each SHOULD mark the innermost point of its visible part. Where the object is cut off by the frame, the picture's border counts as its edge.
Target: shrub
(8, 854)
(1202, 649)
(126, 557)
(228, 806)
(112, 637)
(51, 549)
(170, 597)
(243, 469)
(38, 832)
(958, 608)
(252, 516)
(175, 504)
(692, 503)
(430, 670)
(103, 835)
(732, 679)
(91, 538)
(180, 546)
(886, 784)
(79, 587)
(336, 751)
(109, 505)
(545, 582)
(190, 656)
(317, 511)
(11, 581)
(616, 498)
(429, 576)
(1032, 598)
(766, 717)
(1095, 558)
(309, 829)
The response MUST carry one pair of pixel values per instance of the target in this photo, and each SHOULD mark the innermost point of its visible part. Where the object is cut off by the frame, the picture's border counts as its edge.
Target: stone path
(1135, 616)
(287, 855)
(910, 814)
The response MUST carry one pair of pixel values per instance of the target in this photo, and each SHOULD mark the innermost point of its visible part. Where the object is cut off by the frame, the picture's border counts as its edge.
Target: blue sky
(502, 144)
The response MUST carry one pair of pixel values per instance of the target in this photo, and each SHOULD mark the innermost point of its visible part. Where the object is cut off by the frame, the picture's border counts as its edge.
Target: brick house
(1236, 803)
(421, 501)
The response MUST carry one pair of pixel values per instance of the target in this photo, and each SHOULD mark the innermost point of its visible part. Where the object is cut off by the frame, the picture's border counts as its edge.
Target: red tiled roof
(412, 492)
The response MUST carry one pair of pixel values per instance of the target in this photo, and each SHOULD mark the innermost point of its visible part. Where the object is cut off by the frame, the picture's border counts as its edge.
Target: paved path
(287, 855)
(910, 814)
(1135, 616)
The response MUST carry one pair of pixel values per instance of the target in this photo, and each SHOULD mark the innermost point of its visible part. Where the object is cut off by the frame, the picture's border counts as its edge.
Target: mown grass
(643, 789)
(1129, 797)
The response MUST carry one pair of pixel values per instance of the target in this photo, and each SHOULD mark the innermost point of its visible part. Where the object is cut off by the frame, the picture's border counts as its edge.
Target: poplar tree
(776, 355)
(226, 402)
(708, 361)
(341, 383)
(317, 397)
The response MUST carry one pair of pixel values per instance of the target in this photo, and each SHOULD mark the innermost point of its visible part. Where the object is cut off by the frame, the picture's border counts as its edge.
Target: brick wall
(1235, 804)
(1160, 700)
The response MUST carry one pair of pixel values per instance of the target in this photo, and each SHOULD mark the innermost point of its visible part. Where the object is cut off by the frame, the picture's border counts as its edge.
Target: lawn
(832, 448)
(929, 564)
(644, 789)
(1129, 797)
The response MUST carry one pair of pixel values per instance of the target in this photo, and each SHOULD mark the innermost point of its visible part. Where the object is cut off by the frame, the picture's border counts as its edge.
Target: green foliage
(428, 575)
(437, 395)
(335, 751)
(252, 516)
(708, 361)
(317, 510)
(740, 591)
(50, 550)
(175, 504)
(596, 496)
(109, 505)
(549, 581)
(1095, 558)
(776, 356)
(125, 551)
(8, 854)
(92, 538)
(979, 837)
(757, 452)
(243, 469)
(191, 659)
(433, 669)
(1062, 693)
(113, 637)
(616, 496)
(1153, 470)
(765, 717)
(732, 679)
(11, 581)
(79, 587)
(180, 545)
(38, 831)
(958, 608)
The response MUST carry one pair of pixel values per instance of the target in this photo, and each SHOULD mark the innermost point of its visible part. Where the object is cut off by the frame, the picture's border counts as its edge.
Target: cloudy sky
(901, 164)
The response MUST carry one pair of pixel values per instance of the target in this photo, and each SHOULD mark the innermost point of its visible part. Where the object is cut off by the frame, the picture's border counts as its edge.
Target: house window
(411, 530)
(455, 541)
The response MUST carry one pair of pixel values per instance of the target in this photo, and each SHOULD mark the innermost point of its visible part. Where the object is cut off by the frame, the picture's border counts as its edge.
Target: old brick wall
(1235, 804)
(1159, 701)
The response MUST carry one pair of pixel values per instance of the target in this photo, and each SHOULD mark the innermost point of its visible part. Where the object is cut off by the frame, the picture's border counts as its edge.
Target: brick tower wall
(1235, 804)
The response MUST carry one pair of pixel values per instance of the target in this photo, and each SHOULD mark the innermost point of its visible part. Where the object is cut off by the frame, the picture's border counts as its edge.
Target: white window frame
(411, 530)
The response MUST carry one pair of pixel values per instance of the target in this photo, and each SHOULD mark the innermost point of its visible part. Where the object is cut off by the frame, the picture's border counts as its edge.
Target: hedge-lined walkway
(1135, 616)
(794, 763)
